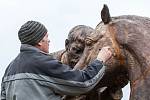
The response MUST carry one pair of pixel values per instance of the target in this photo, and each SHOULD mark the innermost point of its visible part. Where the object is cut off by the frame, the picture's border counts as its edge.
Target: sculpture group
(129, 38)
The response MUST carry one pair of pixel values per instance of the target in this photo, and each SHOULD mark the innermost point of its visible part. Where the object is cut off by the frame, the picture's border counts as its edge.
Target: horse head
(128, 36)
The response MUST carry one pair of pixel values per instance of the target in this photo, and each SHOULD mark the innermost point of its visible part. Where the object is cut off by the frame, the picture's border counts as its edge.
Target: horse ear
(105, 15)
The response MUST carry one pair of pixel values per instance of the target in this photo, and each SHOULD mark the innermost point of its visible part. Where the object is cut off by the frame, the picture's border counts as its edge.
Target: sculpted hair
(79, 33)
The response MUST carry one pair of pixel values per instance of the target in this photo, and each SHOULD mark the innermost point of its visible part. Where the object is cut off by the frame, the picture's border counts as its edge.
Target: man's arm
(64, 80)
(74, 82)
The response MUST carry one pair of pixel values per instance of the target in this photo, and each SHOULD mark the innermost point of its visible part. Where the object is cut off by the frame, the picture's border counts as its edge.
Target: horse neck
(137, 43)
(135, 36)
(136, 40)
(139, 71)
(139, 46)
(136, 32)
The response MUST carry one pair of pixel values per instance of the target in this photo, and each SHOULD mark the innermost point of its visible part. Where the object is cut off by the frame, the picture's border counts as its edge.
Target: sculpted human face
(75, 43)
(74, 52)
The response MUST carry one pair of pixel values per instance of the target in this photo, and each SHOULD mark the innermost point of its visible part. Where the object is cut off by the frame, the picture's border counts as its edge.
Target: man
(35, 75)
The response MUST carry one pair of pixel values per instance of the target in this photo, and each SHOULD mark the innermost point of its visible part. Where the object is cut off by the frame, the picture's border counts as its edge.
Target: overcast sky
(59, 16)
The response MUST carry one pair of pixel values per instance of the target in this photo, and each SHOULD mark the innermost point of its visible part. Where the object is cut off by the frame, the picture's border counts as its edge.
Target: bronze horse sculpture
(129, 37)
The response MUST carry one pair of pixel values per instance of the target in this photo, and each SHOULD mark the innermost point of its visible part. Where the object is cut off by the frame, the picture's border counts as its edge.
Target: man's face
(74, 52)
(45, 44)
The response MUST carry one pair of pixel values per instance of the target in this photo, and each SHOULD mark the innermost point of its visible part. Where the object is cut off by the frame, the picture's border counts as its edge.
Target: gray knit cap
(32, 32)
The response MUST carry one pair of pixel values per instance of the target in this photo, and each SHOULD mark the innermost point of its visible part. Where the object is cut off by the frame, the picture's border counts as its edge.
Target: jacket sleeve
(72, 82)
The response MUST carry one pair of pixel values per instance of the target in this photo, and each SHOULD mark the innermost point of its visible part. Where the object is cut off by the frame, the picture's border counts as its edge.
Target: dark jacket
(35, 75)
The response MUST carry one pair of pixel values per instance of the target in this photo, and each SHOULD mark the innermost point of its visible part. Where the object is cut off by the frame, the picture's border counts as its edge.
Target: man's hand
(104, 54)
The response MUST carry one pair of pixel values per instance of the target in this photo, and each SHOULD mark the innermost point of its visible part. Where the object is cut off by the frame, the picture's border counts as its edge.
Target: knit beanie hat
(32, 32)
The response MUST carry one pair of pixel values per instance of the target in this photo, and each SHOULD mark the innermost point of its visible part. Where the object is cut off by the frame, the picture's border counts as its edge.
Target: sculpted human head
(75, 43)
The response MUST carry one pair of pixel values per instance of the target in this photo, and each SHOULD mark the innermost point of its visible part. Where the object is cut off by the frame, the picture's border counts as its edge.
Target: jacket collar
(27, 47)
